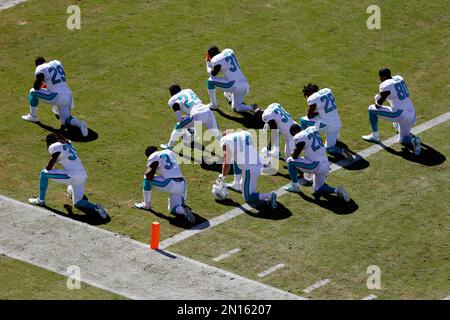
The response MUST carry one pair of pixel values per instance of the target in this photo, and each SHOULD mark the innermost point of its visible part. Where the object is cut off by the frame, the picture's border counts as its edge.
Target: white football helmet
(219, 190)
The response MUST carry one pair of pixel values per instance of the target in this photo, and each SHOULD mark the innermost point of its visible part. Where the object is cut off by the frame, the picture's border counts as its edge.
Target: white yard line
(446, 298)
(334, 167)
(370, 297)
(227, 254)
(5, 4)
(316, 285)
(271, 270)
(116, 263)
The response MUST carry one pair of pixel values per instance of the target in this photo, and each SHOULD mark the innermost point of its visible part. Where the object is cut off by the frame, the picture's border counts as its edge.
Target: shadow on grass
(246, 119)
(263, 210)
(88, 217)
(332, 203)
(428, 157)
(179, 221)
(72, 134)
(358, 163)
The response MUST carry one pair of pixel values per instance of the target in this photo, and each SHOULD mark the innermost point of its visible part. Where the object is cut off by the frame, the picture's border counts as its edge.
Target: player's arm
(39, 81)
(298, 149)
(151, 170)
(312, 111)
(381, 98)
(226, 166)
(273, 126)
(51, 163)
(176, 108)
(215, 70)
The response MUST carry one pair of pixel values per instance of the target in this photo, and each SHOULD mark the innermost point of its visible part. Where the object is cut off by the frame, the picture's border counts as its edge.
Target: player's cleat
(416, 144)
(371, 138)
(165, 146)
(36, 202)
(346, 154)
(228, 96)
(292, 187)
(212, 106)
(29, 117)
(234, 186)
(273, 200)
(99, 209)
(340, 191)
(142, 206)
(84, 128)
(188, 215)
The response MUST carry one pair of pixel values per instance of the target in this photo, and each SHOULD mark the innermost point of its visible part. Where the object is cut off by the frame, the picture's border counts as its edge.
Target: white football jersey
(167, 164)
(68, 157)
(326, 107)
(55, 76)
(283, 119)
(229, 65)
(241, 149)
(187, 101)
(399, 97)
(314, 149)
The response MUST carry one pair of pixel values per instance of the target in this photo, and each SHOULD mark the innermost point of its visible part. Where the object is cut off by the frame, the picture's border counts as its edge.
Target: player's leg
(210, 122)
(237, 177)
(239, 90)
(217, 82)
(305, 122)
(186, 123)
(59, 176)
(77, 189)
(288, 145)
(331, 136)
(177, 200)
(405, 136)
(34, 97)
(321, 188)
(66, 119)
(385, 113)
(250, 178)
(304, 165)
(158, 182)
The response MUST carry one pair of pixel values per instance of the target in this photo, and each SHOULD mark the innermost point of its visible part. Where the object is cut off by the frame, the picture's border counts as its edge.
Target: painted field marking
(446, 298)
(370, 297)
(227, 254)
(5, 4)
(334, 167)
(316, 285)
(271, 270)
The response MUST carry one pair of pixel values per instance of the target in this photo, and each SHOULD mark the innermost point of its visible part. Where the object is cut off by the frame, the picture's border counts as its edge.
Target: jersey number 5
(57, 71)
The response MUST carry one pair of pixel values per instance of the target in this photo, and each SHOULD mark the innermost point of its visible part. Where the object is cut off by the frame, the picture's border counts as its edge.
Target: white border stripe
(316, 285)
(370, 297)
(446, 298)
(335, 166)
(227, 254)
(271, 270)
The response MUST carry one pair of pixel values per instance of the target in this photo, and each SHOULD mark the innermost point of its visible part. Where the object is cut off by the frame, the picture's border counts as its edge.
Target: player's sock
(373, 118)
(71, 121)
(212, 96)
(176, 134)
(84, 204)
(147, 191)
(33, 111)
(326, 189)
(43, 185)
(264, 196)
(293, 172)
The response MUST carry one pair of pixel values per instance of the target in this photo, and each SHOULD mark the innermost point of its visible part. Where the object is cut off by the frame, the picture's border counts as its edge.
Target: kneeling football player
(170, 180)
(73, 175)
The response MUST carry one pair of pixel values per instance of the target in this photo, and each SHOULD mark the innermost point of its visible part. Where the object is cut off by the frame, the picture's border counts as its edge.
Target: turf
(120, 64)
(19, 280)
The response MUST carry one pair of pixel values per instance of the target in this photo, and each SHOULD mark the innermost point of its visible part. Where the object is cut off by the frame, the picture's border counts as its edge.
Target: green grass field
(120, 64)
